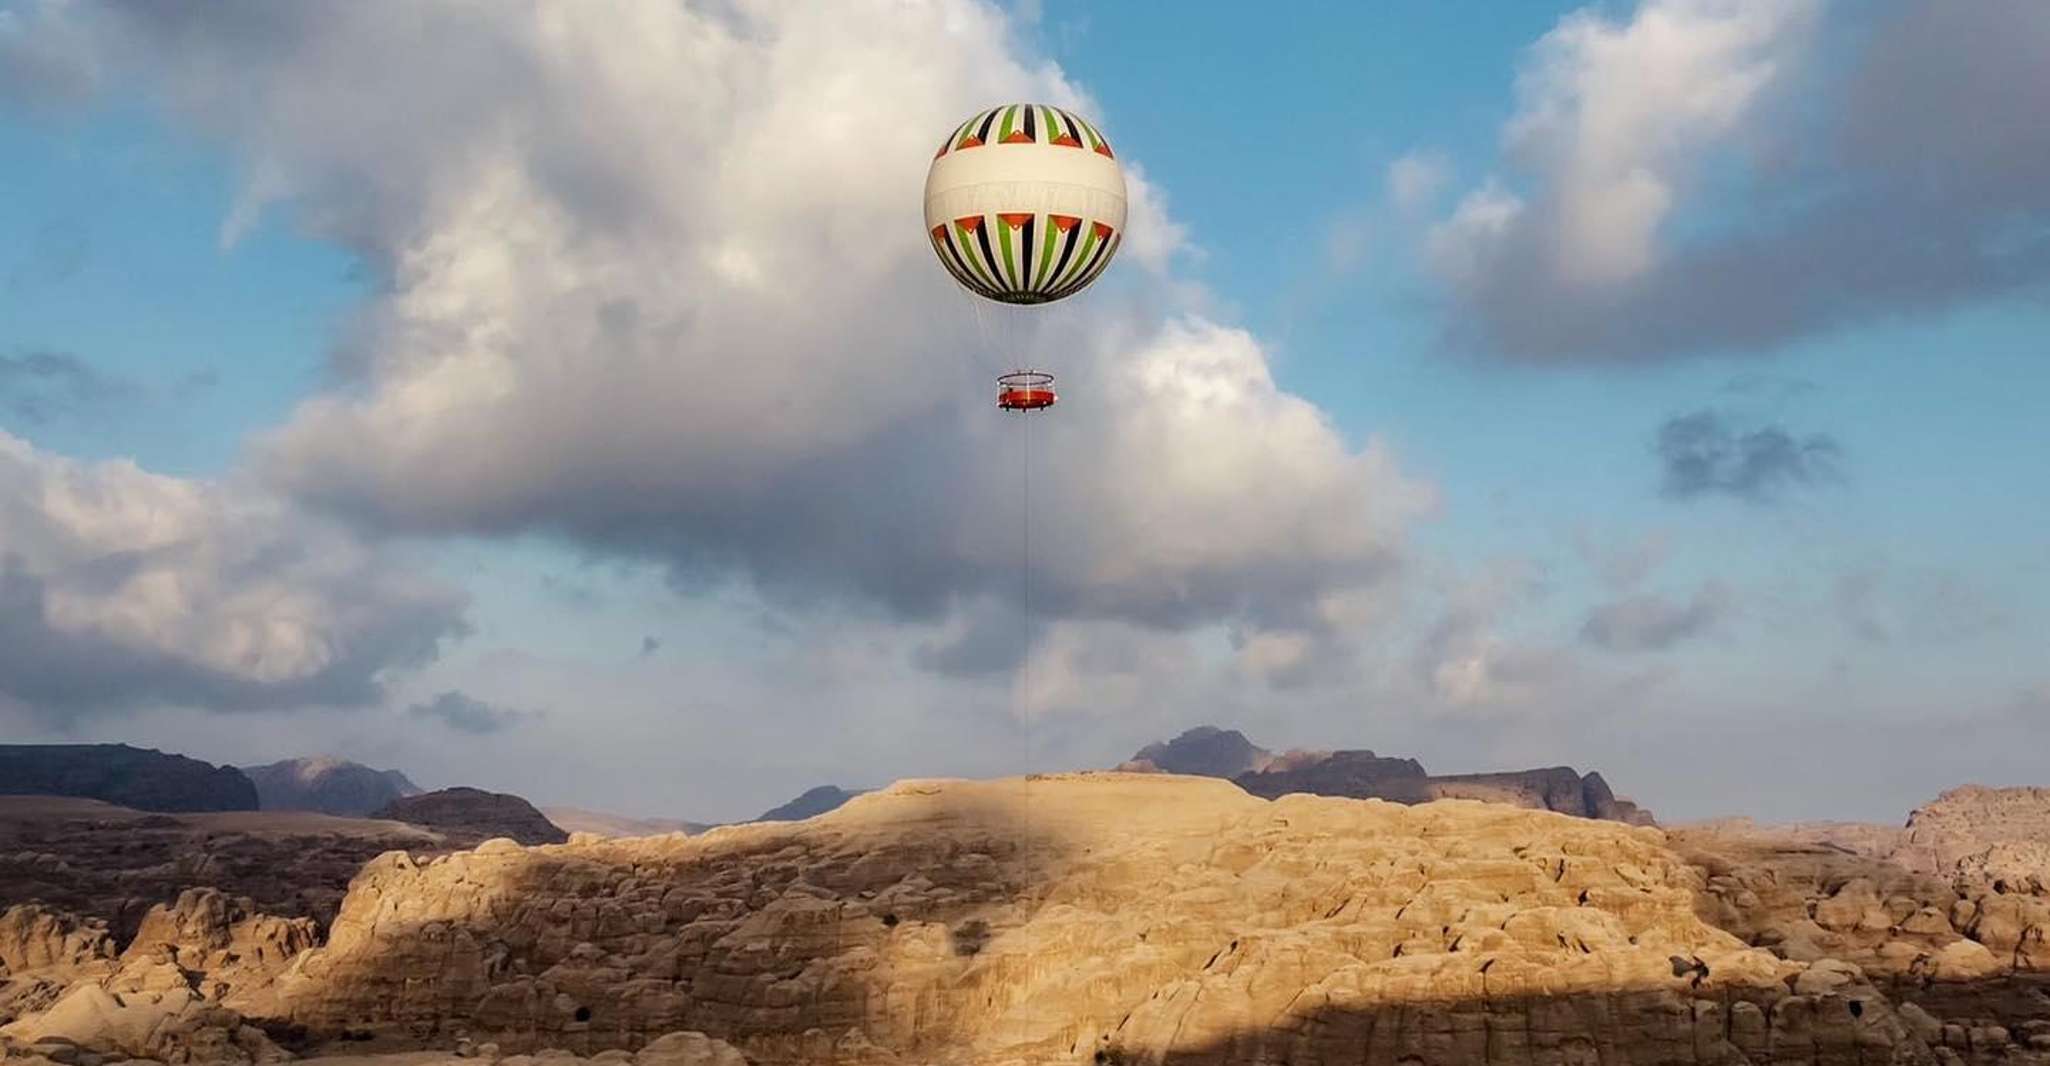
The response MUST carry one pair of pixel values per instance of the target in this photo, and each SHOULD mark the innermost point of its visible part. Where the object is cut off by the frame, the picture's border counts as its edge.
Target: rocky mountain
(1206, 751)
(1211, 752)
(140, 778)
(814, 802)
(473, 815)
(327, 785)
(1088, 918)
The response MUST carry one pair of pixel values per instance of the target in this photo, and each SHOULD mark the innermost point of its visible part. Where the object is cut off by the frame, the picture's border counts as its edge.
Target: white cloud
(1615, 116)
(657, 284)
(1461, 248)
(1725, 174)
(121, 587)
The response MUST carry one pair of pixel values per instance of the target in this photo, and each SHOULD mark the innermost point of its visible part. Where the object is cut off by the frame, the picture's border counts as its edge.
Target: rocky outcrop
(1361, 774)
(1979, 833)
(1106, 918)
(473, 814)
(138, 778)
(331, 786)
(812, 803)
(1965, 957)
(1968, 835)
(1358, 774)
(114, 864)
(1205, 751)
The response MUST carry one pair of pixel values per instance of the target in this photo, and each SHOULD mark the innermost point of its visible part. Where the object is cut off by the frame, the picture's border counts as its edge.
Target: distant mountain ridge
(812, 803)
(143, 779)
(472, 815)
(1212, 752)
(329, 785)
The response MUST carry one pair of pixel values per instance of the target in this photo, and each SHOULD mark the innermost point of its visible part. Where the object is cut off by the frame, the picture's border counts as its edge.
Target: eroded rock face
(1090, 918)
(1140, 918)
(1968, 952)
(331, 786)
(474, 814)
(138, 778)
(114, 864)
(1990, 834)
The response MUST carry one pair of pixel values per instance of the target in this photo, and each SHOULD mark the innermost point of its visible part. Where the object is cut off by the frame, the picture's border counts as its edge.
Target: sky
(562, 398)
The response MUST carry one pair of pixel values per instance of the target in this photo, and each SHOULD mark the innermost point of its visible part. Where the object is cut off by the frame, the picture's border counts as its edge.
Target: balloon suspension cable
(1026, 596)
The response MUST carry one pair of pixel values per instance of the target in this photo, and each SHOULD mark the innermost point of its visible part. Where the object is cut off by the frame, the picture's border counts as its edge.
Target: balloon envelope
(1025, 204)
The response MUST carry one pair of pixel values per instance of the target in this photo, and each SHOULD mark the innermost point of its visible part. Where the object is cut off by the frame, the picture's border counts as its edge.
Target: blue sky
(1894, 588)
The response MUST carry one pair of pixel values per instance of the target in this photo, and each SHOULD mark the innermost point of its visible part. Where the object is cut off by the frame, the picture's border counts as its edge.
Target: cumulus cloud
(1702, 174)
(1709, 452)
(655, 283)
(465, 713)
(121, 588)
(1651, 622)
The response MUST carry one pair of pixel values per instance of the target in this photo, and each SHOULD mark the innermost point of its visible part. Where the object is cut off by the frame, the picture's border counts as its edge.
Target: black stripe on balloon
(1031, 129)
(1067, 249)
(1087, 276)
(1074, 127)
(1087, 273)
(1025, 251)
(982, 132)
(951, 259)
(955, 264)
(996, 269)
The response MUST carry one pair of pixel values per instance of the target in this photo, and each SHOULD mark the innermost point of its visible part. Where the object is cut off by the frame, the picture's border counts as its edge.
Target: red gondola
(1025, 390)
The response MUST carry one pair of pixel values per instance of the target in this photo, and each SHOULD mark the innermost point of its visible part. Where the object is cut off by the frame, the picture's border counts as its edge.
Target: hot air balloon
(1025, 204)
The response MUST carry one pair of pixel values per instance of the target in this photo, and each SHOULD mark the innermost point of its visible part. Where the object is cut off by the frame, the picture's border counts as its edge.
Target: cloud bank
(1722, 174)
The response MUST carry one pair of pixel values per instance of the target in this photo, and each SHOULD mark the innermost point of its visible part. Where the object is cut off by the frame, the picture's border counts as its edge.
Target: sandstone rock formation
(327, 785)
(111, 863)
(472, 814)
(139, 778)
(1093, 918)
(1361, 774)
(1108, 918)
(1968, 834)
(162, 997)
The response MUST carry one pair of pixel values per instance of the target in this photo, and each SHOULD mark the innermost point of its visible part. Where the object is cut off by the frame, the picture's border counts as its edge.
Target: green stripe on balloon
(1046, 251)
(1081, 256)
(971, 252)
(1004, 241)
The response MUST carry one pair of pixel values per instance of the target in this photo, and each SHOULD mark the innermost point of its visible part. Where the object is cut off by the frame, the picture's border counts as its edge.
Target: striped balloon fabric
(1026, 124)
(1025, 204)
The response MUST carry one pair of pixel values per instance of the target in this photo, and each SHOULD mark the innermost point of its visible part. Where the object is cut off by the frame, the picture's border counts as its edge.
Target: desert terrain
(1087, 917)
